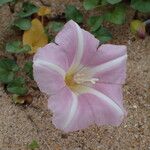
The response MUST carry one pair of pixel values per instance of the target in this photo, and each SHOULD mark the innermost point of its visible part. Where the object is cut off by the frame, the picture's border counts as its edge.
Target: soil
(19, 125)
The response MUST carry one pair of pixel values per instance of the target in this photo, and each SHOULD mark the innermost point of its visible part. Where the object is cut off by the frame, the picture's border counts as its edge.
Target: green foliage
(17, 47)
(103, 34)
(8, 69)
(17, 86)
(55, 26)
(113, 1)
(4, 1)
(28, 68)
(34, 144)
(73, 13)
(23, 24)
(117, 16)
(27, 10)
(95, 22)
(141, 5)
(90, 4)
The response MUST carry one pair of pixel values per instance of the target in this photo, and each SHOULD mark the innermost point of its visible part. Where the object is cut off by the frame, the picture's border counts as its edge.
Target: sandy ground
(19, 125)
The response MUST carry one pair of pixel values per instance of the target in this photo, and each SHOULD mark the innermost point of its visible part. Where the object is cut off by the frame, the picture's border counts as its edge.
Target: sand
(19, 125)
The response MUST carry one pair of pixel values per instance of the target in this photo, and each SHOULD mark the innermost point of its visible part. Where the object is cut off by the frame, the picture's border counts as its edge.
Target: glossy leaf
(141, 5)
(95, 22)
(113, 1)
(23, 24)
(103, 34)
(17, 86)
(117, 16)
(55, 26)
(73, 13)
(90, 4)
(8, 68)
(27, 10)
(4, 1)
(28, 68)
(17, 47)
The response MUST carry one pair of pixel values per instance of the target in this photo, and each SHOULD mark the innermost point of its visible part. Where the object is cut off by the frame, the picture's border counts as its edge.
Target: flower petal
(54, 54)
(112, 64)
(78, 43)
(113, 91)
(64, 106)
(50, 65)
(104, 109)
(72, 112)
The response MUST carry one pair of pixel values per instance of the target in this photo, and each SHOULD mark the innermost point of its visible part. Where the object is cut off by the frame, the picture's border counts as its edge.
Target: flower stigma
(77, 81)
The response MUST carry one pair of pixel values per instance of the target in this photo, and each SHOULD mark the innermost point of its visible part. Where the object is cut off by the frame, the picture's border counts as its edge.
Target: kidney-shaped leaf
(8, 68)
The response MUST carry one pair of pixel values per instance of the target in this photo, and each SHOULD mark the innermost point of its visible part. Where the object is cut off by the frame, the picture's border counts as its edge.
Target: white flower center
(80, 78)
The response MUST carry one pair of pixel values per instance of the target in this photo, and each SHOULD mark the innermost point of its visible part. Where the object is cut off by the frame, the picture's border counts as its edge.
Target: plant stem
(42, 19)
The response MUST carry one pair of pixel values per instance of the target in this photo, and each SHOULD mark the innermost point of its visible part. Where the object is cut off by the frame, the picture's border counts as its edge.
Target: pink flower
(83, 79)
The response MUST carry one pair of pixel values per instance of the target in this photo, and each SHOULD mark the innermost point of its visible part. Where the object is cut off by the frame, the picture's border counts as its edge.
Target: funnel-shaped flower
(83, 80)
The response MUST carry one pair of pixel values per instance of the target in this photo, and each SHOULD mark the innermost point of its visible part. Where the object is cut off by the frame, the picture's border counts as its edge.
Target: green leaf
(55, 26)
(117, 16)
(17, 86)
(103, 34)
(34, 144)
(141, 5)
(23, 24)
(113, 1)
(104, 2)
(17, 47)
(8, 68)
(90, 4)
(27, 10)
(4, 1)
(95, 22)
(28, 68)
(73, 13)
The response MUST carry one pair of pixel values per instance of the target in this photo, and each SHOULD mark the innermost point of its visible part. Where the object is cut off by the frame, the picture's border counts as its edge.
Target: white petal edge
(108, 65)
(50, 66)
(80, 48)
(106, 99)
(72, 111)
